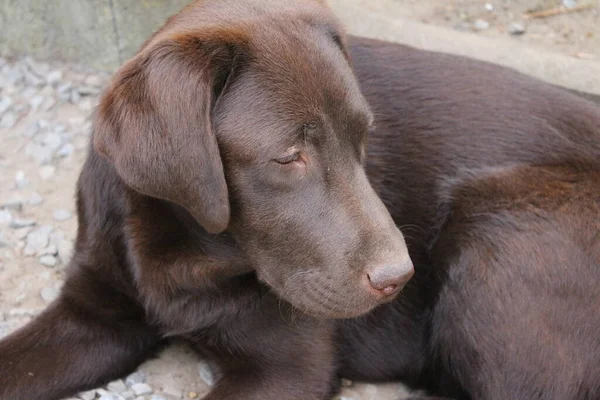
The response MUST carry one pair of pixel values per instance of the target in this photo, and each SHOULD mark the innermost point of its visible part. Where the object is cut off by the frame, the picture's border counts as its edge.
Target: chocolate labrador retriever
(225, 201)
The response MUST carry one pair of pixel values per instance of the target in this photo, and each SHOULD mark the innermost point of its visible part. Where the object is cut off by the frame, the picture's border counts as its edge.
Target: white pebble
(136, 377)
(128, 395)
(15, 204)
(66, 150)
(65, 250)
(90, 395)
(36, 241)
(117, 386)
(5, 217)
(5, 103)
(481, 25)
(48, 260)
(54, 77)
(141, 389)
(36, 102)
(52, 141)
(8, 120)
(35, 199)
(206, 373)
(49, 294)
(20, 179)
(47, 172)
(21, 223)
(61, 215)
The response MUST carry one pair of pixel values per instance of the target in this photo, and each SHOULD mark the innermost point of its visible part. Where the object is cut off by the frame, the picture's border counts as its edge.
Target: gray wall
(100, 33)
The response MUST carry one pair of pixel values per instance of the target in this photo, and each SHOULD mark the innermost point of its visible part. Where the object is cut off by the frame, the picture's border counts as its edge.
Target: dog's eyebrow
(337, 39)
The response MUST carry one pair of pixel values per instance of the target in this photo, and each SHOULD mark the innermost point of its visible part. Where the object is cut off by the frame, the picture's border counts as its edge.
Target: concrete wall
(100, 33)
(104, 33)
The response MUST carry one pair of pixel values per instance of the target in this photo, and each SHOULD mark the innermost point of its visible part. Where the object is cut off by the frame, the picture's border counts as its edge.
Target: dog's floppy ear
(154, 123)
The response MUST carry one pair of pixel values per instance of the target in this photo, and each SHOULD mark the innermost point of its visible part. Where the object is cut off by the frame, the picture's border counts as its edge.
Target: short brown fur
(194, 223)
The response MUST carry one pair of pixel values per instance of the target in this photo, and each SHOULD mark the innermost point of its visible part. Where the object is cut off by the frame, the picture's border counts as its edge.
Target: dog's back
(495, 179)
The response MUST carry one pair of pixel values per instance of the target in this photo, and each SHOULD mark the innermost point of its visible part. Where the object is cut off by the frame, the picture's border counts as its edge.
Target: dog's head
(247, 114)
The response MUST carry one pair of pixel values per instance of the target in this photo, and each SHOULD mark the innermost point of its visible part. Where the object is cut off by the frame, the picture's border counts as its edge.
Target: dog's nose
(389, 279)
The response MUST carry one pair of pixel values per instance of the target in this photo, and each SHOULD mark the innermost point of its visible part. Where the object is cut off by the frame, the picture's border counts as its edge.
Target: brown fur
(195, 224)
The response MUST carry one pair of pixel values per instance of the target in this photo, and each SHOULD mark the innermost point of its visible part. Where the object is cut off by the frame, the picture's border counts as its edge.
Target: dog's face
(257, 126)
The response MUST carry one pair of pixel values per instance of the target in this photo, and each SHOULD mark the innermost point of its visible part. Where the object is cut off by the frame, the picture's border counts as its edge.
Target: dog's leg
(271, 384)
(267, 353)
(89, 336)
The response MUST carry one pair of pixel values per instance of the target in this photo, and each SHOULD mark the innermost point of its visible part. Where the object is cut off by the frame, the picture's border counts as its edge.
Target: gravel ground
(44, 133)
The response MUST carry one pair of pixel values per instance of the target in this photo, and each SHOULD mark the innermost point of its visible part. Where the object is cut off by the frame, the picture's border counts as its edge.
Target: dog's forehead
(304, 70)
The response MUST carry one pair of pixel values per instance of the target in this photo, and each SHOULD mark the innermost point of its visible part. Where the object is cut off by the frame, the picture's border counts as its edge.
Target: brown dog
(231, 190)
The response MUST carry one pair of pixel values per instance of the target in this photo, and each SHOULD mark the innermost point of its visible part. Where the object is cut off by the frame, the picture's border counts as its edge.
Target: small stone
(110, 396)
(117, 386)
(66, 150)
(21, 223)
(36, 102)
(20, 179)
(48, 260)
(35, 199)
(47, 172)
(13, 76)
(481, 25)
(43, 123)
(41, 154)
(22, 312)
(6, 217)
(74, 97)
(206, 373)
(36, 241)
(60, 128)
(14, 204)
(489, 7)
(61, 215)
(141, 388)
(32, 78)
(37, 68)
(54, 77)
(86, 105)
(346, 382)
(90, 395)
(50, 102)
(64, 88)
(193, 395)
(5, 103)
(88, 90)
(106, 395)
(49, 294)
(516, 28)
(22, 233)
(8, 120)
(3, 242)
(65, 250)
(52, 141)
(128, 395)
(136, 377)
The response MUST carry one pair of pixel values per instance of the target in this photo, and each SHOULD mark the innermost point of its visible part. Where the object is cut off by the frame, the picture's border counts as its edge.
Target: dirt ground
(574, 31)
(44, 130)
